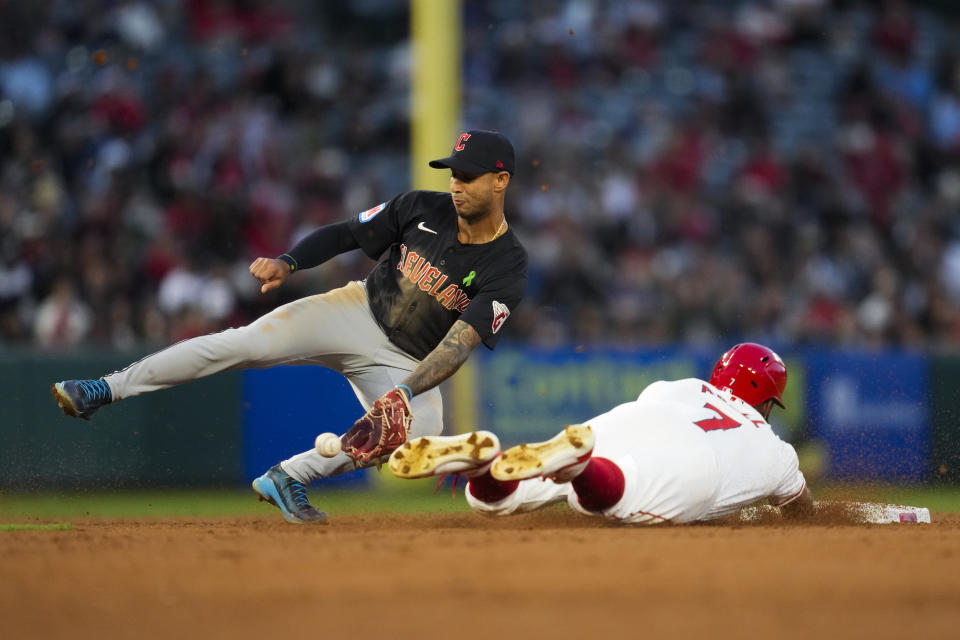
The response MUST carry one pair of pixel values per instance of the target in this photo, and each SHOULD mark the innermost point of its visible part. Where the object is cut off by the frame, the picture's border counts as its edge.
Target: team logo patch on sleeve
(369, 214)
(500, 314)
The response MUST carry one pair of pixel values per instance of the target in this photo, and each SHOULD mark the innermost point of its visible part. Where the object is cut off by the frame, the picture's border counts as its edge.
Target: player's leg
(310, 465)
(305, 331)
(530, 476)
(620, 465)
(289, 495)
(597, 483)
(371, 376)
(489, 496)
(646, 470)
(523, 478)
(312, 330)
(284, 484)
(349, 340)
(345, 338)
(660, 486)
(466, 454)
(471, 455)
(600, 485)
(562, 457)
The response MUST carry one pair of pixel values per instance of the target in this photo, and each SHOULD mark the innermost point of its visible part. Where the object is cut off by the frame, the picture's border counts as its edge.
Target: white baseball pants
(670, 472)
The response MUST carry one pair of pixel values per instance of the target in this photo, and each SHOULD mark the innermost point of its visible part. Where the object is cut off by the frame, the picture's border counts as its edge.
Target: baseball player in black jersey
(450, 272)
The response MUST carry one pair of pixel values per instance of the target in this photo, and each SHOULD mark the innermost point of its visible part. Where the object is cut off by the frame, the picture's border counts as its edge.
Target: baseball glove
(381, 430)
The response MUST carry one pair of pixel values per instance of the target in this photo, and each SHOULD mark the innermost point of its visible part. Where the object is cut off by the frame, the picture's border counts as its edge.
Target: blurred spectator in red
(62, 319)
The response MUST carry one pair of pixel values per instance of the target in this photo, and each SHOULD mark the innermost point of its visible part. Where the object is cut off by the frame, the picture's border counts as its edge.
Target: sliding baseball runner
(683, 451)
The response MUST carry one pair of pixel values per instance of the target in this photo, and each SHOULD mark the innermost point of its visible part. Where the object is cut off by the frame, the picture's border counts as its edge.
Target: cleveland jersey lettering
(430, 279)
(427, 279)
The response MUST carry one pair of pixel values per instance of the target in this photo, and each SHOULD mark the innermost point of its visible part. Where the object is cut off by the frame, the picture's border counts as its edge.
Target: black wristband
(285, 257)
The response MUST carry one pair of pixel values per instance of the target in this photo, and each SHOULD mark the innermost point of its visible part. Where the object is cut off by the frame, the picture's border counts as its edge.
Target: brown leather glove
(381, 430)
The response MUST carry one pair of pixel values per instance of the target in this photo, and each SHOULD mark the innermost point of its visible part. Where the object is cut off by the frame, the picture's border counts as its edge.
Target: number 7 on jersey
(719, 422)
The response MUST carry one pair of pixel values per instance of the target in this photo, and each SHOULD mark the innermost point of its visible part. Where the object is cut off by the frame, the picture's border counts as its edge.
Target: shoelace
(298, 493)
(94, 391)
(456, 479)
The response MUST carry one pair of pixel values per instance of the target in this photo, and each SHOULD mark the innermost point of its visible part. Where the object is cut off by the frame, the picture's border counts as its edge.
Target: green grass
(30, 509)
(218, 503)
(55, 526)
(938, 499)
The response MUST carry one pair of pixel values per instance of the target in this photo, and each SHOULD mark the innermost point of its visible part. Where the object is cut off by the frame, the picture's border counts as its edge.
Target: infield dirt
(552, 574)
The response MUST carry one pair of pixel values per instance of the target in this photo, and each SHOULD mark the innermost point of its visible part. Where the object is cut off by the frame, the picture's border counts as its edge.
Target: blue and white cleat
(281, 490)
(81, 398)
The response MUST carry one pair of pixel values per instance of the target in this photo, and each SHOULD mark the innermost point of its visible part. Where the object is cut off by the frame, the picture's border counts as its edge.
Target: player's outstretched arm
(443, 362)
(270, 272)
(316, 248)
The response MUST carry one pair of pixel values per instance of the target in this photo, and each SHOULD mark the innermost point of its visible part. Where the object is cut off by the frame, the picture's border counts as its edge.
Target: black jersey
(427, 279)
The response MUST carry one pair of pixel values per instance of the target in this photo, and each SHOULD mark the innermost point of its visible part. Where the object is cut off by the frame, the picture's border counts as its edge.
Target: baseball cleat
(281, 490)
(81, 398)
(561, 458)
(468, 454)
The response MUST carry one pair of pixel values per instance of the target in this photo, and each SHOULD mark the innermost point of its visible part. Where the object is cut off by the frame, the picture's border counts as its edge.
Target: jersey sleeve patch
(369, 214)
(500, 314)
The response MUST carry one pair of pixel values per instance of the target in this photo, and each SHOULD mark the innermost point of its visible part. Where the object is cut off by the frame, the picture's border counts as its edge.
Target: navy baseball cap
(479, 151)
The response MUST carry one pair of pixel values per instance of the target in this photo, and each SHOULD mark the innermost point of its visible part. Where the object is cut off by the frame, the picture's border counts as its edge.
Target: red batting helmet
(752, 372)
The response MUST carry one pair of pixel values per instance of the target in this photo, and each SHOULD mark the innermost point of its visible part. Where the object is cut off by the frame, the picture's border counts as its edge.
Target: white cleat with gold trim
(468, 454)
(561, 458)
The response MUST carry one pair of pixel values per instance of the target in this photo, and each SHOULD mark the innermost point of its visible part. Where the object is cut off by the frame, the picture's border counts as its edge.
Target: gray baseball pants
(334, 329)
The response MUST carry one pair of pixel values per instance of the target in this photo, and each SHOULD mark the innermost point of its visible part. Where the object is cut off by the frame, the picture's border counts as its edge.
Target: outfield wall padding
(875, 416)
(183, 436)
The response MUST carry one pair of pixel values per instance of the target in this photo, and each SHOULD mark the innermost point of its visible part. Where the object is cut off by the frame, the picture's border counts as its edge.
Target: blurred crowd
(785, 171)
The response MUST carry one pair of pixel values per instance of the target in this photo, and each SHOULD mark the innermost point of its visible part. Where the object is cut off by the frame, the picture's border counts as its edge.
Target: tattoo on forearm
(443, 362)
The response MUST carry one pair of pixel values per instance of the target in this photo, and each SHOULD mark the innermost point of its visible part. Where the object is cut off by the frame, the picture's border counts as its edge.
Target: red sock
(600, 486)
(486, 488)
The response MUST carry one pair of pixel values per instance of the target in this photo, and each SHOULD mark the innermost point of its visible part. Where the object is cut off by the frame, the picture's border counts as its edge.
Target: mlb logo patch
(369, 214)
(908, 517)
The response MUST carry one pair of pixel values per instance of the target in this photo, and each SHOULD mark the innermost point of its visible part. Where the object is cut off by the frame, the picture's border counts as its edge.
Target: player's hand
(270, 272)
(380, 430)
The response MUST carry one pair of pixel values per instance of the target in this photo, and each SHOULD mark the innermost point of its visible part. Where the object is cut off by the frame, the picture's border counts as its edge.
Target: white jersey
(753, 463)
(688, 452)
